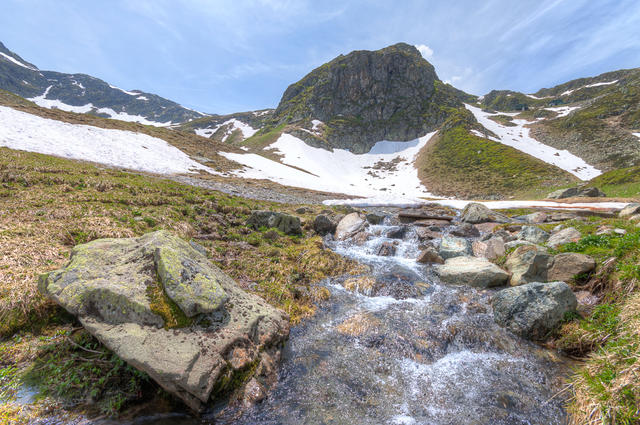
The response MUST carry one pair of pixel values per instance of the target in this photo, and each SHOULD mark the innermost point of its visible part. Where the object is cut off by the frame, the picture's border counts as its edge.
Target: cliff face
(368, 96)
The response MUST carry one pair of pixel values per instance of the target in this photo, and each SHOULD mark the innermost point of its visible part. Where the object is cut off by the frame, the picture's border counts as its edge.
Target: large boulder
(577, 192)
(528, 263)
(452, 246)
(286, 223)
(533, 234)
(429, 255)
(350, 225)
(564, 236)
(465, 230)
(478, 213)
(630, 210)
(533, 310)
(566, 266)
(472, 271)
(162, 307)
(323, 224)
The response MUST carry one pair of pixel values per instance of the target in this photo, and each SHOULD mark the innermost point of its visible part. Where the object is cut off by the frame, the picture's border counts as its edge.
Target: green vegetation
(605, 387)
(620, 183)
(458, 163)
(49, 204)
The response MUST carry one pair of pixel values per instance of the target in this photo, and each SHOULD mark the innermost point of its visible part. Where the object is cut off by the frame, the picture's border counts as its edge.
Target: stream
(410, 350)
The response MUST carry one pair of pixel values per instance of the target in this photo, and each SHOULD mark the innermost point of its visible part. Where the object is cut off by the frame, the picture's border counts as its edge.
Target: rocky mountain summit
(86, 94)
(361, 98)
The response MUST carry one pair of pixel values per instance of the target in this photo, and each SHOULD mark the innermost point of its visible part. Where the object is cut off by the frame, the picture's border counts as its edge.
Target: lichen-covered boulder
(323, 224)
(534, 309)
(452, 246)
(286, 223)
(528, 263)
(533, 234)
(160, 305)
(564, 236)
(567, 265)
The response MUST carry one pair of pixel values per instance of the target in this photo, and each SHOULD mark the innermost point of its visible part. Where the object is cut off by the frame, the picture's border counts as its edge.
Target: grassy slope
(49, 204)
(458, 163)
(605, 387)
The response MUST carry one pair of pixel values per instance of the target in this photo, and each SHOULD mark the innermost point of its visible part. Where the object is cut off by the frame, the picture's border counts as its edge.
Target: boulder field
(161, 306)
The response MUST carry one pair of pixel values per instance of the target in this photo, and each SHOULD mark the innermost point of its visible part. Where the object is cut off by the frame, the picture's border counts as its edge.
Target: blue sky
(222, 56)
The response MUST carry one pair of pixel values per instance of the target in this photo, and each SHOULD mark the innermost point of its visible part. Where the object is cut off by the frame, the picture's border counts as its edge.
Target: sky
(223, 56)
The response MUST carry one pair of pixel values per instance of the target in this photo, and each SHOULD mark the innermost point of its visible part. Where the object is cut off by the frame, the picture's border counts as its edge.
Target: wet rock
(431, 223)
(528, 264)
(359, 324)
(324, 224)
(362, 284)
(472, 271)
(565, 266)
(350, 225)
(465, 230)
(425, 234)
(475, 213)
(564, 236)
(387, 249)
(218, 329)
(254, 392)
(452, 246)
(361, 238)
(286, 223)
(375, 218)
(429, 255)
(533, 234)
(629, 210)
(535, 218)
(534, 309)
(490, 249)
(396, 232)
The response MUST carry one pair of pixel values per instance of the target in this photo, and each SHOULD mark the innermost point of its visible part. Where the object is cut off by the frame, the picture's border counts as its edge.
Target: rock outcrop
(162, 307)
(534, 309)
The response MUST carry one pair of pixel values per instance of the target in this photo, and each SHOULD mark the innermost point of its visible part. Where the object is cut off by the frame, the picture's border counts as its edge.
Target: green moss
(166, 308)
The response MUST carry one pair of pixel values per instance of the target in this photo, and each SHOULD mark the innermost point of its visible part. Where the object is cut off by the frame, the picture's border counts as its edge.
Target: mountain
(86, 94)
(364, 97)
(594, 118)
(231, 128)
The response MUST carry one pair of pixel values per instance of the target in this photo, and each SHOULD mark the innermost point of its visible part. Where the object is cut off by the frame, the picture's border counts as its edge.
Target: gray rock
(386, 249)
(350, 225)
(286, 223)
(515, 244)
(577, 192)
(533, 310)
(490, 249)
(478, 213)
(535, 218)
(564, 236)
(429, 255)
(465, 230)
(452, 246)
(565, 266)
(323, 224)
(528, 264)
(563, 193)
(472, 271)
(629, 210)
(425, 233)
(396, 232)
(218, 329)
(374, 218)
(533, 234)
(620, 232)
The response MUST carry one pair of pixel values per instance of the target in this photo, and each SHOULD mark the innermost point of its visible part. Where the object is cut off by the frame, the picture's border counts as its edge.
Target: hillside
(86, 94)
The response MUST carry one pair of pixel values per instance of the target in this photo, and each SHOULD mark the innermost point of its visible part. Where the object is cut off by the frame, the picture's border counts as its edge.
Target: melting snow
(568, 92)
(536, 97)
(17, 62)
(141, 98)
(562, 111)
(246, 129)
(130, 93)
(118, 148)
(637, 134)
(518, 137)
(83, 109)
(386, 171)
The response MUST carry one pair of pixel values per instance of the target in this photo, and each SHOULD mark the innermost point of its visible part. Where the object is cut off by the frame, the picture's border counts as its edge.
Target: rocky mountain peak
(367, 96)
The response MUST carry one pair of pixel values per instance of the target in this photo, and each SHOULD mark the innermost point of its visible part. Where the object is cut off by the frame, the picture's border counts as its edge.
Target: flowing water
(411, 351)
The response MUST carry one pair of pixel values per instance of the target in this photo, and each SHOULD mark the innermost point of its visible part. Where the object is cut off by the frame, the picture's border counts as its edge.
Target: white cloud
(425, 50)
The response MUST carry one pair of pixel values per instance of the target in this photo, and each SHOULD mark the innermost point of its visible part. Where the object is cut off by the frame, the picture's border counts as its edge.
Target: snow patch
(536, 97)
(518, 137)
(562, 111)
(246, 129)
(17, 62)
(142, 98)
(130, 93)
(636, 134)
(118, 148)
(387, 171)
(568, 92)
